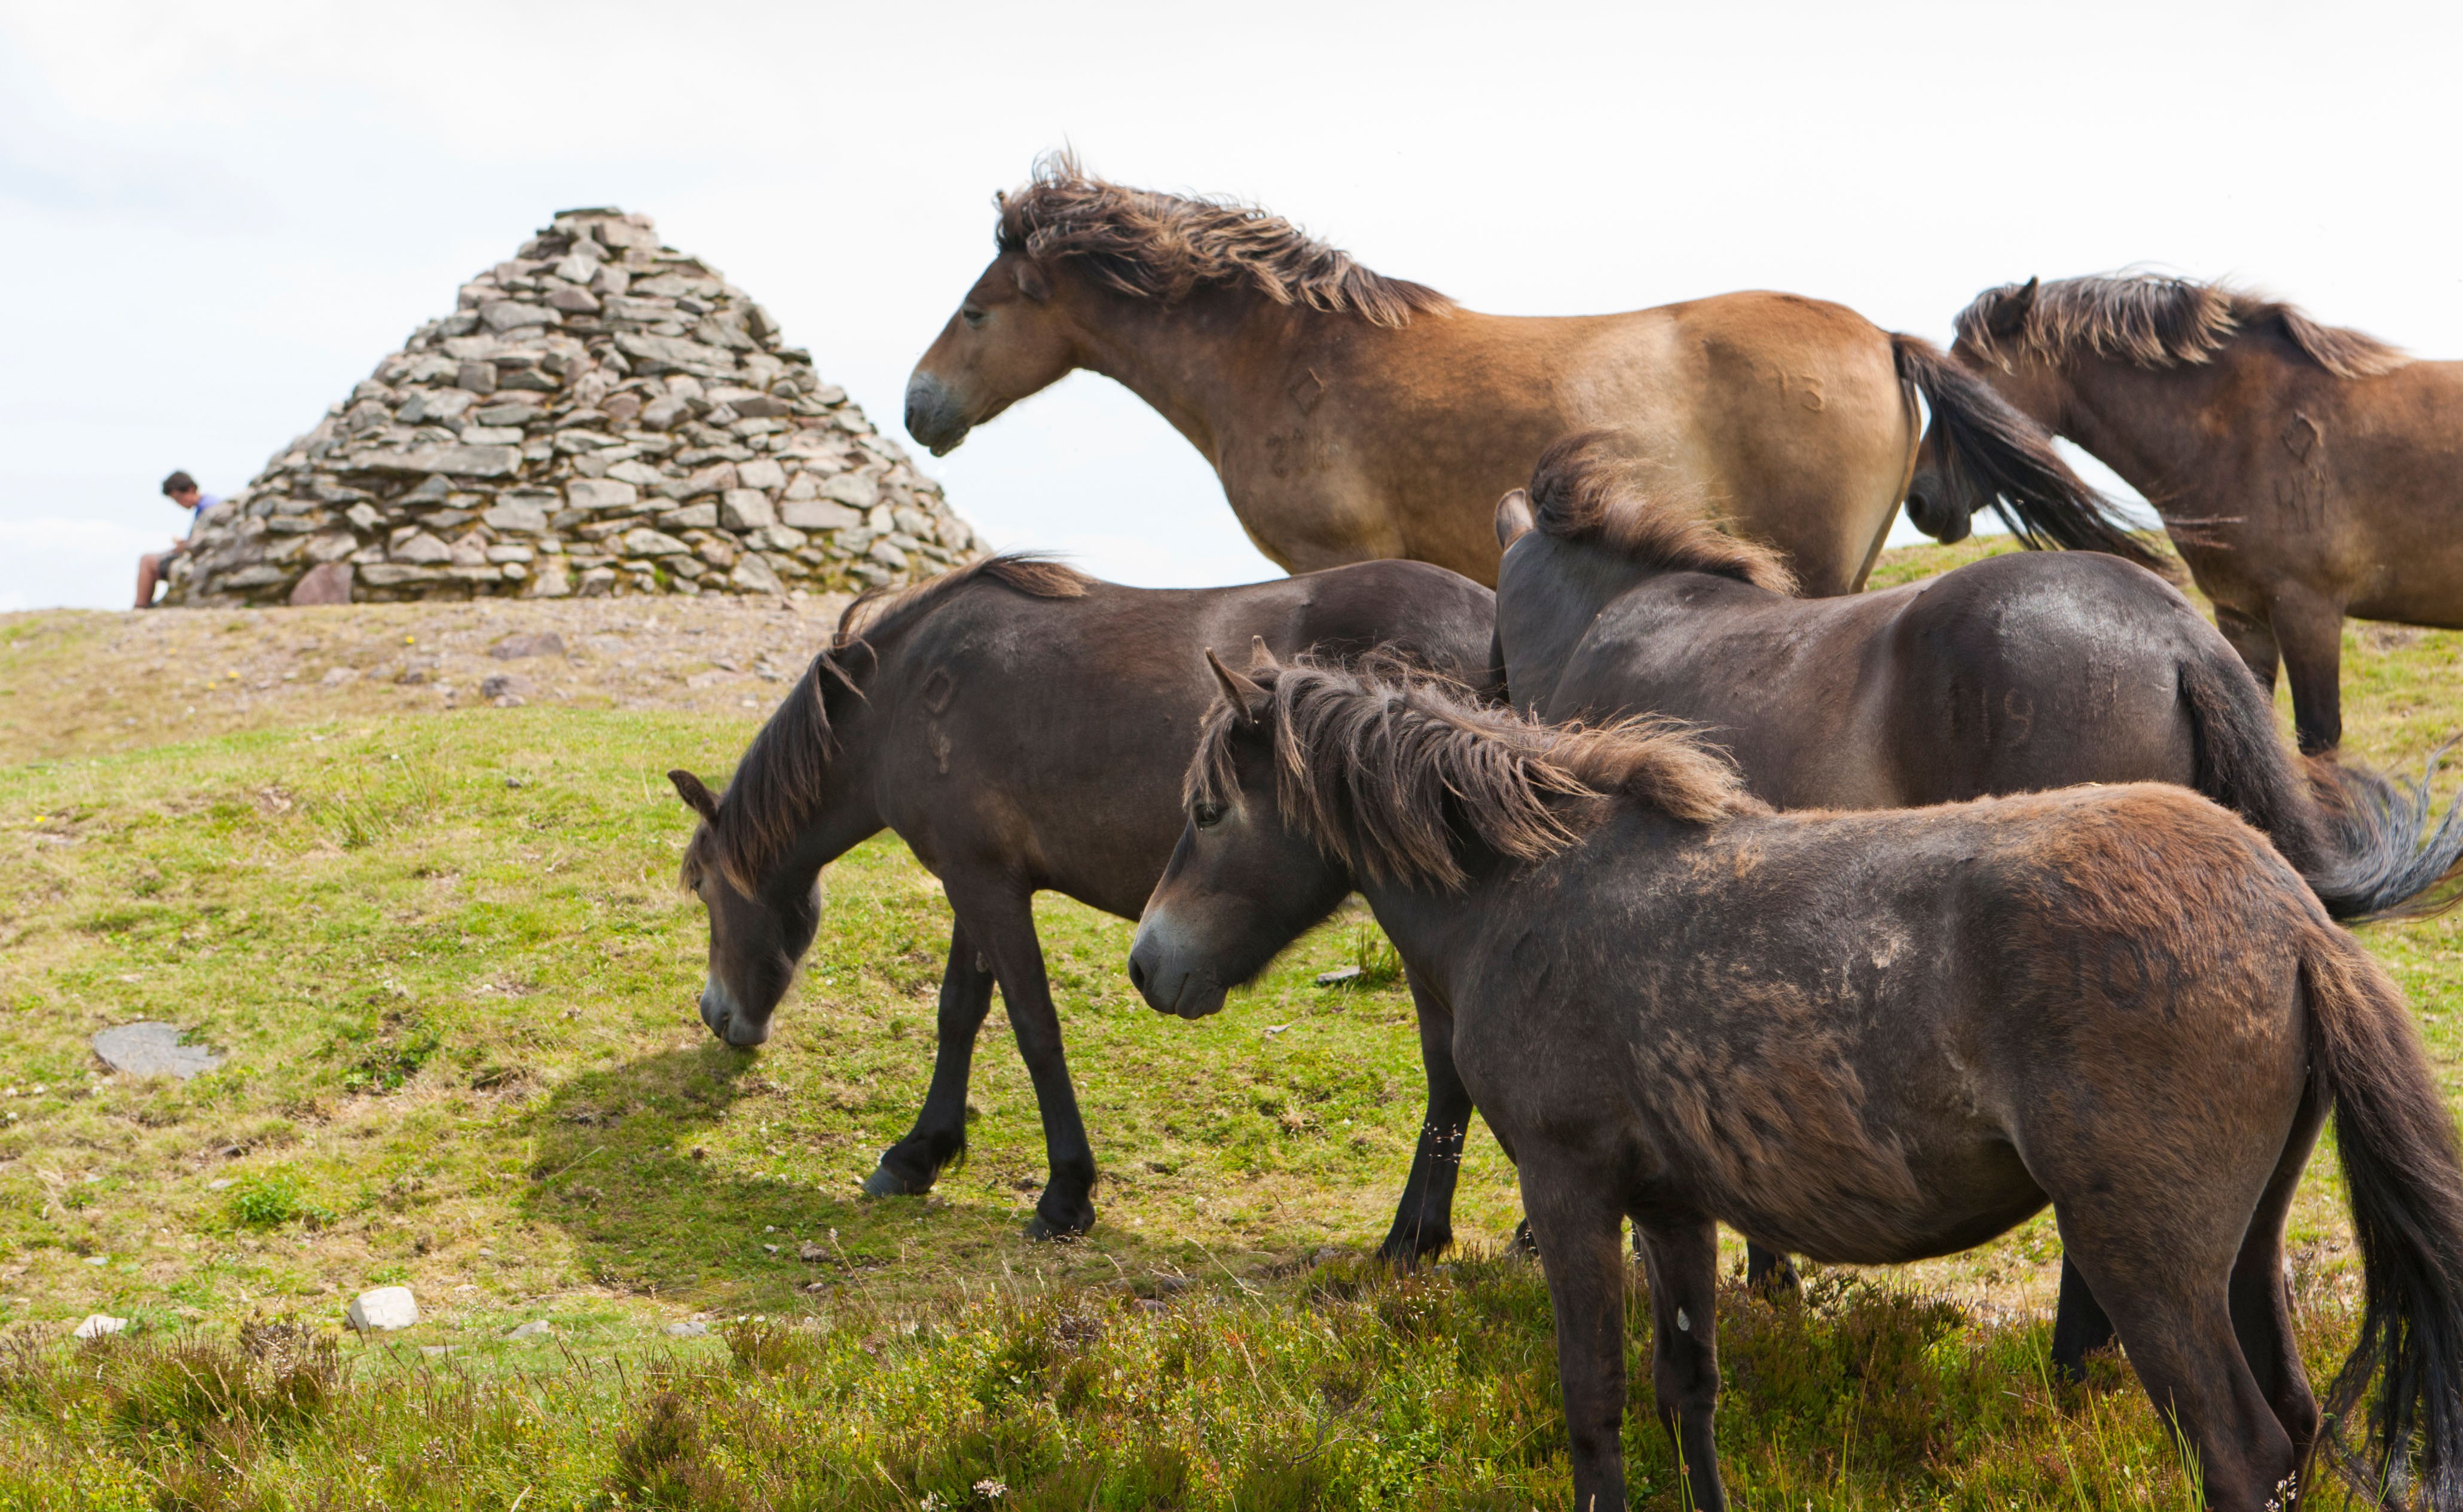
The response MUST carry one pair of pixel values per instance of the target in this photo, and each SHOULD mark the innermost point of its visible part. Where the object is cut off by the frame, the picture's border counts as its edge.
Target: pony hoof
(1044, 1230)
(886, 1182)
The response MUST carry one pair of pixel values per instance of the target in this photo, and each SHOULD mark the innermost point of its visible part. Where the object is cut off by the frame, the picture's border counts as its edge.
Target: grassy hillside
(442, 952)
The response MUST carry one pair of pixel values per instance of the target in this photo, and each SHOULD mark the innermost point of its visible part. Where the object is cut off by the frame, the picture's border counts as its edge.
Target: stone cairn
(601, 415)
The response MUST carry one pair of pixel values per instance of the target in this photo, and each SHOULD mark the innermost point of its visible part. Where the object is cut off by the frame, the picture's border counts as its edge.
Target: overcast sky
(215, 219)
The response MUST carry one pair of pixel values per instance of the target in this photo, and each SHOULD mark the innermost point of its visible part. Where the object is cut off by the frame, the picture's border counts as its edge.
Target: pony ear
(1243, 695)
(2010, 314)
(1031, 281)
(1513, 519)
(1258, 656)
(696, 795)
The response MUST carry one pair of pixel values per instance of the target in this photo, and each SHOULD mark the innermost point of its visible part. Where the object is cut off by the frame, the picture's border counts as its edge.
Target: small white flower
(990, 1490)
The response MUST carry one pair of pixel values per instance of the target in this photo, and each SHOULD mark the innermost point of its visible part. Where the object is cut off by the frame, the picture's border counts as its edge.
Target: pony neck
(2140, 421)
(1201, 361)
(1432, 931)
(1548, 592)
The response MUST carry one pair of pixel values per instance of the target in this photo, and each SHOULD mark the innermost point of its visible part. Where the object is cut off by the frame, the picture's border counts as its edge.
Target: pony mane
(779, 780)
(1161, 247)
(1582, 490)
(1388, 770)
(2156, 320)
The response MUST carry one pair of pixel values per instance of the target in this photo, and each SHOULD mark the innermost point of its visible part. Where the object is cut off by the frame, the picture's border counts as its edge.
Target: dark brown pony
(2014, 674)
(1353, 415)
(2305, 472)
(1021, 727)
(1870, 1037)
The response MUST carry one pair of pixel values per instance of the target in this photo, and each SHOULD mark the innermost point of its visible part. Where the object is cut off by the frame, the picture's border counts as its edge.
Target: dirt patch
(77, 683)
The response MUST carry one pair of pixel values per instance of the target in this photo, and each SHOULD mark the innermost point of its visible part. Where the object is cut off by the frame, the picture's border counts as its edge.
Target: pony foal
(1868, 1037)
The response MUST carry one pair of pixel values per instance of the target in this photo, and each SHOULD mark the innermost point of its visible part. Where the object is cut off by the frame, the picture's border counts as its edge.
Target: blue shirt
(204, 501)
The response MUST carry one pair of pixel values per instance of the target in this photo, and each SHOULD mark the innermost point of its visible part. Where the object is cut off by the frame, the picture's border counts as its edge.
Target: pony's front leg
(999, 918)
(938, 1141)
(1578, 1231)
(1683, 1261)
(1424, 1219)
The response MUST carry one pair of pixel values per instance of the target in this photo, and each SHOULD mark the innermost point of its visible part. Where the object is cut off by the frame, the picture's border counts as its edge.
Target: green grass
(452, 978)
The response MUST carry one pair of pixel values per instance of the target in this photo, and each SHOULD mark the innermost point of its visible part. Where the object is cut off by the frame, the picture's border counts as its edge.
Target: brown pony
(2305, 472)
(1353, 415)
(1870, 1037)
(1021, 727)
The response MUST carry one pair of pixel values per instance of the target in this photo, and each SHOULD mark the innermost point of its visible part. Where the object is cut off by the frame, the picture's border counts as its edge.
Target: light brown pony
(1353, 415)
(2305, 472)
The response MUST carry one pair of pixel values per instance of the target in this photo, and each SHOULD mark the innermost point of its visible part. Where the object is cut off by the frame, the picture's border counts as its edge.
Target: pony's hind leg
(2170, 1300)
(2081, 1326)
(2262, 1308)
(2310, 630)
(1770, 1271)
(938, 1140)
(1424, 1219)
(999, 918)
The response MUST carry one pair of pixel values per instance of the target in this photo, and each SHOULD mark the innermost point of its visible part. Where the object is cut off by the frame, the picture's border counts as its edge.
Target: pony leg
(2254, 638)
(1583, 1254)
(1423, 1220)
(2080, 1325)
(1000, 919)
(1683, 1268)
(2169, 1297)
(2311, 633)
(2262, 1308)
(1768, 1271)
(938, 1140)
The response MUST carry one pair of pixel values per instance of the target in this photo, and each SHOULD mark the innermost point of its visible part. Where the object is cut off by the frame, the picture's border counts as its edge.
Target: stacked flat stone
(601, 415)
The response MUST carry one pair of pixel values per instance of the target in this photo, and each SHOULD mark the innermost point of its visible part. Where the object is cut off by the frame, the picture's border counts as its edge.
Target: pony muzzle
(727, 1021)
(1168, 986)
(934, 414)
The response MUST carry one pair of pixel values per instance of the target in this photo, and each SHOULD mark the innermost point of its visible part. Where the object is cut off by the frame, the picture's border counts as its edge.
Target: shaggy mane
(1161, 247)
(1581, 491)
(2155, 320)
(779, 781)
(1390, 770)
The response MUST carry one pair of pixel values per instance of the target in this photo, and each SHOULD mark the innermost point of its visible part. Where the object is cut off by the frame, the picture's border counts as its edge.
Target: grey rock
(716, 477)
(520, 516)
(855, 490)
(661, 414)
(819, 514)
(254, 577)
(96, 1324)
(492, 435)
(763, 474)
(601, 494)
(383, 1309)
(780, 538)
(703, 516)
(692, 1329)
(549, 582)
(574, 301)
(646, 542)
(326, 583)
(755, 575)
(640, 474)
(396, 574)
(746, 509)
(887, 555)
(435, 406)
(805, 485)
(475, 462)
(418, 548)
(578, 267)
(504, 415)
(509, 314)
(152, 1050)
(673, 351)
(530, 643)
(477, 377)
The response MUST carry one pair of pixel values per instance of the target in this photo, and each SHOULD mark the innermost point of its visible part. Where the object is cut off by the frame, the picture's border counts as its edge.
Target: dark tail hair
(2406, 1186)
(2363, 841)
(1988, 449)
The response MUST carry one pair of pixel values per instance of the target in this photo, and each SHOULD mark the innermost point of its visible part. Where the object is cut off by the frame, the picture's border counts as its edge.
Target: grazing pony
(1021, 727)
(1353, 415)
(2010, 675)
(2305, 472)
(1869, 1037)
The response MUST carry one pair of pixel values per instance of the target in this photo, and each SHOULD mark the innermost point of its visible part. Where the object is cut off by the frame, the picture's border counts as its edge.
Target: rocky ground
(84, 681)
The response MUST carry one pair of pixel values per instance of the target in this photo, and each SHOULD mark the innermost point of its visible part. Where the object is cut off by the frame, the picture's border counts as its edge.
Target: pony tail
(1991, 451)
(2406, 1186)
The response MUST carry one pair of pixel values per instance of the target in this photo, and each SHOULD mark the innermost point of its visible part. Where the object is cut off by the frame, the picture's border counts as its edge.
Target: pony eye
(972, 315)
(1208, 814)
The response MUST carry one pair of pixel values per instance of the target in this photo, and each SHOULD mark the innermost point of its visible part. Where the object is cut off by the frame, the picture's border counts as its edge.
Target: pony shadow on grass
(633, 1164)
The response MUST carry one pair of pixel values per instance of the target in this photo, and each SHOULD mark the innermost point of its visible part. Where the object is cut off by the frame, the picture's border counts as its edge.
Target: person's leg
(149, 574)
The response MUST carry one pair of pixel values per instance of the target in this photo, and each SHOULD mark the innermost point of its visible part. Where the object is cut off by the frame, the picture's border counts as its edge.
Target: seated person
(181, 490)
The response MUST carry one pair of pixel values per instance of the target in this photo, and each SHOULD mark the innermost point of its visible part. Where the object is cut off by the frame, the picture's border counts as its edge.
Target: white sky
(215, 218)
